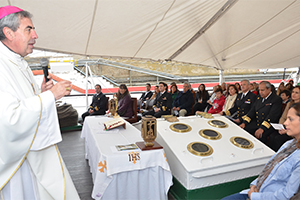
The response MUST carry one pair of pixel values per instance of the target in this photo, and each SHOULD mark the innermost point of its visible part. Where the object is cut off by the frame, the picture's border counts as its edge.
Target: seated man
(243, 103)
(266, 110)
(145, 96)
(285, 96)
(98, 105)
(182, 104)
(163, 102)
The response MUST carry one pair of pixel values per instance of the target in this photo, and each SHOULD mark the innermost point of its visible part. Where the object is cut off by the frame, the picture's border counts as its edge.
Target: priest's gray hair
(12, 21)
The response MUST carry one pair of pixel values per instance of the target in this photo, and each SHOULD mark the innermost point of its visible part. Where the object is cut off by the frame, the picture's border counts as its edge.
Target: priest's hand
(61, 89)
(47, 86)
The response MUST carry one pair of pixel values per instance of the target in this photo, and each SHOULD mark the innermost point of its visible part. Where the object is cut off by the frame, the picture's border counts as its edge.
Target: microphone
(44, 64)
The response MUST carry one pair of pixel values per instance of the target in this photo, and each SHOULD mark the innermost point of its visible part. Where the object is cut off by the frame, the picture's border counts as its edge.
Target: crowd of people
(254, 107)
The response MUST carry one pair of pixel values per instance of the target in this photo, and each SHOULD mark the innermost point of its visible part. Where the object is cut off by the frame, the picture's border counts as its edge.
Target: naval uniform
(98, 105)
(263, 112)
(241, 106)
(162, 101)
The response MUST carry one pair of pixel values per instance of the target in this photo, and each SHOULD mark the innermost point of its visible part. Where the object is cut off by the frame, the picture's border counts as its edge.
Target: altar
(119, 172)
(210, 158)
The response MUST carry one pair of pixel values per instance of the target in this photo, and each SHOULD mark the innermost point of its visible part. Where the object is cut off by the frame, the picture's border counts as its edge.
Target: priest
(31, 166)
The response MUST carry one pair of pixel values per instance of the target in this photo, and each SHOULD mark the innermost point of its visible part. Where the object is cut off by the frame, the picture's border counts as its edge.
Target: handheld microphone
(44, 63)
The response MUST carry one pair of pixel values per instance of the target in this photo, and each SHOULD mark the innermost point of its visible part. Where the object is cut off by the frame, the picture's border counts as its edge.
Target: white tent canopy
(218, 33)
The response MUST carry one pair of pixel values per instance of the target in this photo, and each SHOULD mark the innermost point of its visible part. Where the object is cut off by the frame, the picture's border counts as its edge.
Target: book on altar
(114, 123)
(127, 147)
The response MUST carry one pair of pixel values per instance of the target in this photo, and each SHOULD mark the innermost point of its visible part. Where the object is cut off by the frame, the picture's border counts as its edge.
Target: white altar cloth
(131, 174)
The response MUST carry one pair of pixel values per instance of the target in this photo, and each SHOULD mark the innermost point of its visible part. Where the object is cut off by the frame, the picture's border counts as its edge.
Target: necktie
(242, 96)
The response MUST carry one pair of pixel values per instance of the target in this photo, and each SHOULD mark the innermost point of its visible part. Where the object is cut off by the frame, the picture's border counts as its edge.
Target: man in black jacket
(182, 105)
(162, 103)
(266, 110)
(98, 105)
(243, 103)
(145, 96)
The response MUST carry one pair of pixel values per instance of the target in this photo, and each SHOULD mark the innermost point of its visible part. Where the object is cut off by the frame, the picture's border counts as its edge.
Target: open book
(114, 123)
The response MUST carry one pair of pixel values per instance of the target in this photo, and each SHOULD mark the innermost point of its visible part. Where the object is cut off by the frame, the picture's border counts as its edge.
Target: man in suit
(145, 96)
(98, 105)
(163, 102)
(243, 103)
(266, 110)
(182, 105)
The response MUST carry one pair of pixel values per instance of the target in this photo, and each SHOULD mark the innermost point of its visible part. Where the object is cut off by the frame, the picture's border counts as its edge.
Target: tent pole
(298, 76)
(86, 86)
(221, 76)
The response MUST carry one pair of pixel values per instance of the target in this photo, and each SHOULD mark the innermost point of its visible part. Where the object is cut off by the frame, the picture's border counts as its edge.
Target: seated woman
(252, 89)
(218, 103)
(124, 102)
(230, 99)
(280, 178)
(201, 99)
(278, 138)
(174, 91)
(280, 88)
(238, 87)
(289, 87)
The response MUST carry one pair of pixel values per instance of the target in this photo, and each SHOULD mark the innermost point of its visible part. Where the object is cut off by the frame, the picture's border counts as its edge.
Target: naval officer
(163, 102)
(243, 103)
(266, 110)
(98, 105)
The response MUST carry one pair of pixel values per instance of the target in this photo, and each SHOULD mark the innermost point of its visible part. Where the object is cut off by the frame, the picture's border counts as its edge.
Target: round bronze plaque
(242, 142)
(210, 134)
(180, 127)
(200, 149)
(217, 123)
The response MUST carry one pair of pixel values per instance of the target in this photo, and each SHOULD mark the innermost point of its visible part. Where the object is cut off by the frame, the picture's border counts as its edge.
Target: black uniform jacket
(242, 106)
(164, 101)
(99, 103)
(264, 113)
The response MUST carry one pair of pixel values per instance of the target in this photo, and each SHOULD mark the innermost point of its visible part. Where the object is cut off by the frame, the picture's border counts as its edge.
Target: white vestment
(31, 166)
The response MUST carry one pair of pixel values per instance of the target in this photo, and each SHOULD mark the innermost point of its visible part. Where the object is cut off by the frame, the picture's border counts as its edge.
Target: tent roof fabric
(249, 34)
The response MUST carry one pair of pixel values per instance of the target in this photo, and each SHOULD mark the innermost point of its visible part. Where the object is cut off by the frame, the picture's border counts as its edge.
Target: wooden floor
(72, 151)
